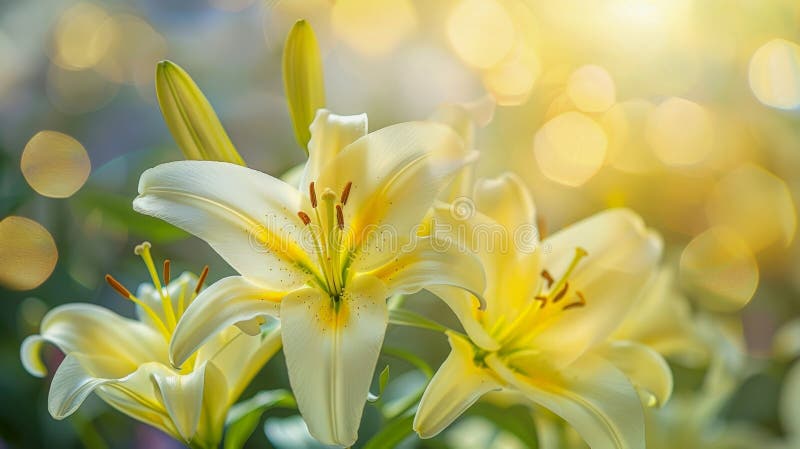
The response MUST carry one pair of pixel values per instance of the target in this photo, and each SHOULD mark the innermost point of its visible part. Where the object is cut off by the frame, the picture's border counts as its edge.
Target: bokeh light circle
(373, 28)
(570, 148)
(481, 32)
(28, 253)
(756, 204)
(79, 39)
(54, 164)
(591, 89)
(720, 269)
(774, 74)
(680, 133)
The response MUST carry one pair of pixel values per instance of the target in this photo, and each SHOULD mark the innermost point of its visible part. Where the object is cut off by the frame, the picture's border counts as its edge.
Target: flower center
(327, 234)
(166, 321)
(554, 297)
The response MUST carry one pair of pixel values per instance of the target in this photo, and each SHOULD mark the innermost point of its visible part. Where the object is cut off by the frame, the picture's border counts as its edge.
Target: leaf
(410, 358)
(190, 118)
(516, 420)
(117, 213)
(392, 434)
(382, 380)
(404, 317)
(303, 79)
(243, 418)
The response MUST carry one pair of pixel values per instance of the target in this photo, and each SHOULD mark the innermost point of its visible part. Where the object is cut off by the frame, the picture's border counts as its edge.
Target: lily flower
(324, 258)
(550, 307)
(126, 362)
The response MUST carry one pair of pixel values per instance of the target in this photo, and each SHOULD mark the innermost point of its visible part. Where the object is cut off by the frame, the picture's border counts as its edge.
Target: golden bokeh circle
(570, 148)
(54, 164)
(28, 253)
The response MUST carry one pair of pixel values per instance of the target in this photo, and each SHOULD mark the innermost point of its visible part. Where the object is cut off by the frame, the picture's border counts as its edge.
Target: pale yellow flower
(126, 361)
(324, 257)
(550, 309)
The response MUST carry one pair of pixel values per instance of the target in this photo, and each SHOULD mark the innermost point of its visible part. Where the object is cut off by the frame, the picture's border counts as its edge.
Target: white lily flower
(548, 315)
(126, 362)
(325, 257)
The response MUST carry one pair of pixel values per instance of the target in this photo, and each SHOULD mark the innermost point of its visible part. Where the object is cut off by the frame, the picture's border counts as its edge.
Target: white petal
(186, 282)
(248, 217)
(396, 174)
(219, 306)
(94, 330)
(645, 368)
(71, 385)
(623, 256)
(238, 356)
(592, 395)
(330, 134)
(457, 384)
(506, 199)
(331, 354)
(466, 307)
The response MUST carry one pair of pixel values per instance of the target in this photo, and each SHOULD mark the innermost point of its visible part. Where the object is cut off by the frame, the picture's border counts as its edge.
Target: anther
(542, 299)
(118, 287)
(312, 193)
(561, 292)
(166, 272)
(580, 303)
(548, 277)
(304, 217)
(201, 279)
(346, 193)
(339, 216)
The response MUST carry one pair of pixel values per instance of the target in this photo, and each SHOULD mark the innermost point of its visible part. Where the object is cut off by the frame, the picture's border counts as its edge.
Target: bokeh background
(684, 110)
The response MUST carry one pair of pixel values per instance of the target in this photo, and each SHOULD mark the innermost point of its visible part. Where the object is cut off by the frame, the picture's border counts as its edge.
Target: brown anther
(548, 277)
(312, 193)
(166, 271)
(346, 193)
(118, 287)
(201, 279)
(542, 299)
(339, 216)
(304, 216)
(580, 303)
(561, 293)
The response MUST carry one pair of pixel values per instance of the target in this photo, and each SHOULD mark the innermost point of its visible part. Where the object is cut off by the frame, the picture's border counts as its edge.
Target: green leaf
(383, 379)
(243, 418)
(404, 317)
(409, 357)
(117, 214)
(190, 117)
(393, 433)
(516, 420)
(303, 79)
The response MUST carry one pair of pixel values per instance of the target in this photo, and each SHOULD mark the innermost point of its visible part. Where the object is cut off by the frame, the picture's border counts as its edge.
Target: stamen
(339, 217)
(116, 285)
(542, 299)
(312, 193)
(166, 272)
(304, 217)
(548, 277)
(201, 280)
(561, 293)
(346, 193)
(580, 303)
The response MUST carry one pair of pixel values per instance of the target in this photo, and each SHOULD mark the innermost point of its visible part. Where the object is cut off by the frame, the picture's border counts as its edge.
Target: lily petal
(248, 217)
(182, 285)
(91, 329)
(223, 304)
(623, 256)
(182, 396)
(396, 174)
(330, 134)
(506, 199)
(331, 351)
(645, 368)
(457, 384)
(592, 395)
(466, 308)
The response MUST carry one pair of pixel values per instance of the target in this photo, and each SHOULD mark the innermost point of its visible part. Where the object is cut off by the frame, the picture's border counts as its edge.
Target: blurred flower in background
(685, 111)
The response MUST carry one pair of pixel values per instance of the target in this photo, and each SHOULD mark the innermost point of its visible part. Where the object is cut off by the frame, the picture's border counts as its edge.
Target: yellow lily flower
(324, 258)
(126, 362)
(550, 309)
